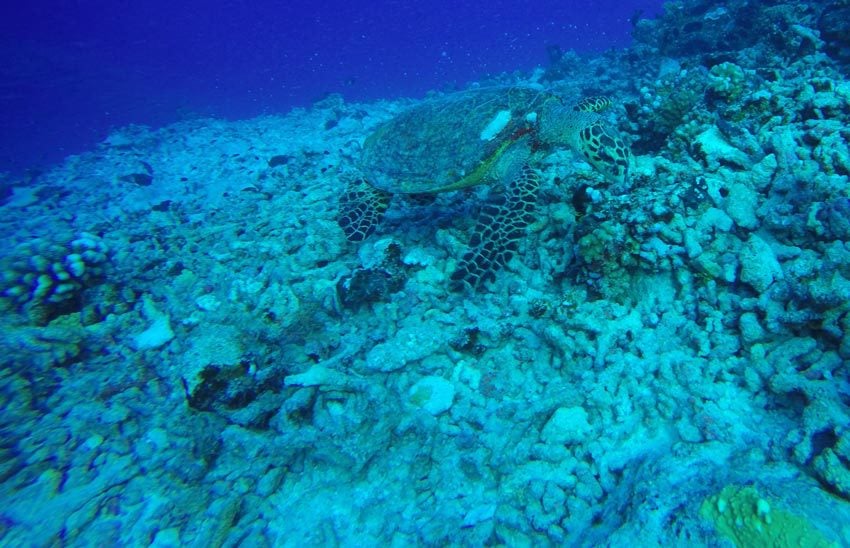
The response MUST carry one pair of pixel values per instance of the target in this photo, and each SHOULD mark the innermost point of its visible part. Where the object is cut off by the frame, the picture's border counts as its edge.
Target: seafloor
(194, 355)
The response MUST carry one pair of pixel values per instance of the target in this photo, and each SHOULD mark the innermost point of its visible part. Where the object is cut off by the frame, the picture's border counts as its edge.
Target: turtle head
(583, 129)
(605, 150)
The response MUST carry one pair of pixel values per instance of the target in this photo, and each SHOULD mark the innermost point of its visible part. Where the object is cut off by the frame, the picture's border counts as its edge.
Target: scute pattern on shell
(433, 145)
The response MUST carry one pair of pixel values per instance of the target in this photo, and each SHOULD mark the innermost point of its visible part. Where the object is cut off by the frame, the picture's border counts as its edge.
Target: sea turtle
(484, 135)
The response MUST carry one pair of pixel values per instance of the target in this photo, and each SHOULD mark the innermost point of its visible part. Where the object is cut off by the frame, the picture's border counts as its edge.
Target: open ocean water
(438, 274)
(71, 72)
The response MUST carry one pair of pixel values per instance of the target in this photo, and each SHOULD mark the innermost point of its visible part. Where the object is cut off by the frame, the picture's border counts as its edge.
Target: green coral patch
(748, 520)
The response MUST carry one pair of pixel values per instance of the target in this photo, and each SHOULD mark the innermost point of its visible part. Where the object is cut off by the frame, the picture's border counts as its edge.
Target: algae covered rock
(432, 394)
(741, 205)
(714, 149)
(744, 517)
(57, 344)
(158, 331)
(383, 274)
(414, 341)
(759, 265)
(567, 425)
(210, 365)
(833, 466)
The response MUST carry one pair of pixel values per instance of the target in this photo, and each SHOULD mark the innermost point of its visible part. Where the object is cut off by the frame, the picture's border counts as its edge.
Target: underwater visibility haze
(73, 71)
(406, 273)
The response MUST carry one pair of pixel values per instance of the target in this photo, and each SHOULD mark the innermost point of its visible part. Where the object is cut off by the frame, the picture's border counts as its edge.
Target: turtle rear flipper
(361, 208)
(498, 229)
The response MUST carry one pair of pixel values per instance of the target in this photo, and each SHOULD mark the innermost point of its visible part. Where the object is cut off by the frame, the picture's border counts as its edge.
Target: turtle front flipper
(361, 208)
(499, 228)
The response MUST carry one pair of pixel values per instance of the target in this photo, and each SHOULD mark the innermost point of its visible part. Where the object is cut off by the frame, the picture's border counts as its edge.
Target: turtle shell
(450, 142)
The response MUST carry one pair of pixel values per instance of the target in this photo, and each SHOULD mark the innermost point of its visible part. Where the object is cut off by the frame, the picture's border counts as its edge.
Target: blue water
(71, 71)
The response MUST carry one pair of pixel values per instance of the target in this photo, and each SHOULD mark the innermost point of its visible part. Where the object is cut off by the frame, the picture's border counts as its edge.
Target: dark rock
(538, 308)
(368, 285)
(467, 341)
(834, 215)
(834, 27)
(696, 193)
(581, 200)
(5, 193)
(279, 160)
(162, 206)
(141, 179)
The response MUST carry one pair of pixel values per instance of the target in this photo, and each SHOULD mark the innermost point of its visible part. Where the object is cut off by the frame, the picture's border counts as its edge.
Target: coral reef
(197, 355)
(749, 520)
(47, 279)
